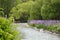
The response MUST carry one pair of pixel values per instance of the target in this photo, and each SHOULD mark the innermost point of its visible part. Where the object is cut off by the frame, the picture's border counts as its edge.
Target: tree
(51, 10)
(35, 11)
(8, 4)
(22, 11)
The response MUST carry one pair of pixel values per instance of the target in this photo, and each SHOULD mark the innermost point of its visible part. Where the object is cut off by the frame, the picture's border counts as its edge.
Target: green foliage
(35, 11)
(29, 8)
(41, 9)
(7, 30)
(50, 10)
(52, 28)
(32, 25)
(8, 4)
(58, 29)
(22, 11)
(43, 26)
(1, 12)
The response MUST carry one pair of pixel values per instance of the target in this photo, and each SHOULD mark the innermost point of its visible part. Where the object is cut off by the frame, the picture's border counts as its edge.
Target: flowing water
(32, 34)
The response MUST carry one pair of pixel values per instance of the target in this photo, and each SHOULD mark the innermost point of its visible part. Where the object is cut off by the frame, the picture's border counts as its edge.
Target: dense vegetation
(25, 9)
(54, 28)
(7, 30)
(38, 9)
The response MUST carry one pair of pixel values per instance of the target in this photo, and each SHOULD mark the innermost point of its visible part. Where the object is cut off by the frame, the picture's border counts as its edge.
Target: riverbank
(54, 28)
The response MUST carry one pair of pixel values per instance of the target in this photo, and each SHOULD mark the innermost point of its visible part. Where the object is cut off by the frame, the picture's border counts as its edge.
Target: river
(32, 34)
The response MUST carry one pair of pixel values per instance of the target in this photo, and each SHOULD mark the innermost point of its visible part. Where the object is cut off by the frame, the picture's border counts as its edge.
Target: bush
(54, 28)
(7, 30)
(41, 26)
(33, 25)
(58, 29)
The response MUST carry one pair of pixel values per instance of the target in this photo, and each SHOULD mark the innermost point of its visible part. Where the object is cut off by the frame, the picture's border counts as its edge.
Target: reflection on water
(31, 34)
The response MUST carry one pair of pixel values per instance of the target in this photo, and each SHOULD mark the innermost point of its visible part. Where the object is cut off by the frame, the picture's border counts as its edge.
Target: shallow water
(32, 34)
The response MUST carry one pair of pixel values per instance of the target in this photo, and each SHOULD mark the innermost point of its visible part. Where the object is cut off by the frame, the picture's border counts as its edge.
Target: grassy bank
(55, 28)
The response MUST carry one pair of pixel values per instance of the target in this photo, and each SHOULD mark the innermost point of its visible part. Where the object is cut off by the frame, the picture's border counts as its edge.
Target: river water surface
(32, 34)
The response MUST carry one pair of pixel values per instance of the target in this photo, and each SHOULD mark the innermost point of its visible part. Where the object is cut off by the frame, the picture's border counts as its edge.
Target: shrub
(41, 26)
(7, 30)
(58, 29)
(51, 28)
(54, 28)
(33, 25)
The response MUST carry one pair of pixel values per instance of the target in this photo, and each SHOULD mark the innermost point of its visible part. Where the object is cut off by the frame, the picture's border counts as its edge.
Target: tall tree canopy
(8, 4)
(41, 9)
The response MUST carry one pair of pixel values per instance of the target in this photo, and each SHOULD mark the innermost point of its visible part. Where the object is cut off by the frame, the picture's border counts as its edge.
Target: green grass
(52, 28)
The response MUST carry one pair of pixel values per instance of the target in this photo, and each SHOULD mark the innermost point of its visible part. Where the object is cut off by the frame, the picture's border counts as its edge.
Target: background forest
(31, 9)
